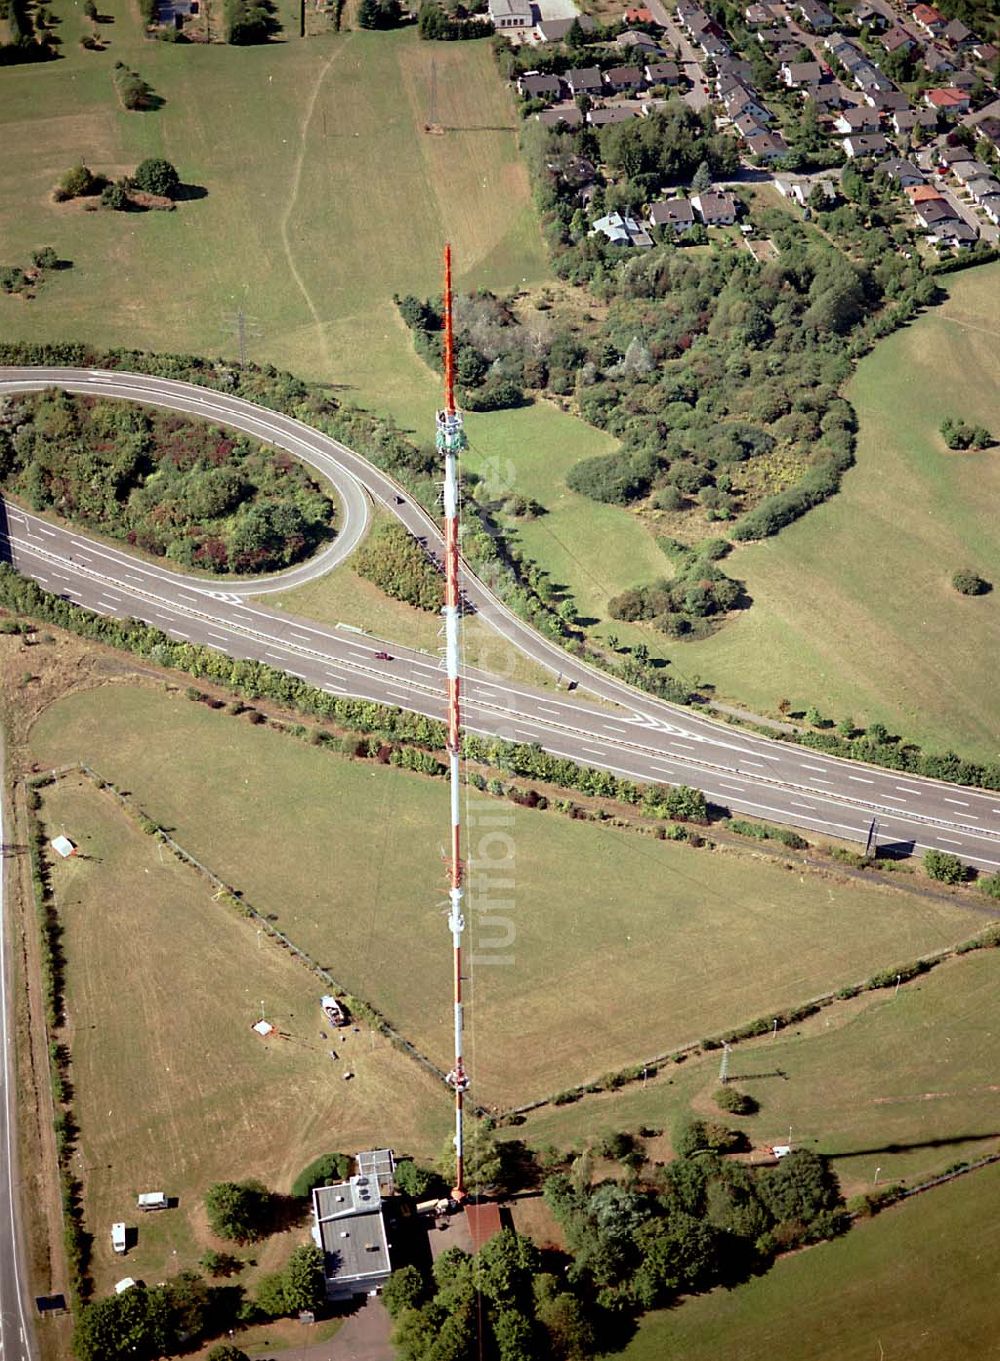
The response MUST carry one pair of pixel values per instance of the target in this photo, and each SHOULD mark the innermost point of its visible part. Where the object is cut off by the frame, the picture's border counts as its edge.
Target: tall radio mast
(450, 440)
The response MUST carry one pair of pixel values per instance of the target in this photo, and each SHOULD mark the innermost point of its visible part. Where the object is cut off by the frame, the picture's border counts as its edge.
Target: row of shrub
(76, 1240)
(764, 831)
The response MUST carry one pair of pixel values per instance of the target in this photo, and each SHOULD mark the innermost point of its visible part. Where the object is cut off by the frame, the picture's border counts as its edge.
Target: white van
(152, 1200)
(118, 1237)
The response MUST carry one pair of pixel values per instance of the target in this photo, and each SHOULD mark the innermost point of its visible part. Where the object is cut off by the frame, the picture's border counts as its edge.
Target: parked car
(383, 657)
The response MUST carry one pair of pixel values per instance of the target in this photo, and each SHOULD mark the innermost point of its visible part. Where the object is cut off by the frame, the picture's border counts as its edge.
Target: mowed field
(915, 1283)
(853, 606)
(901, 1085)
(597, 946)
(162, 987)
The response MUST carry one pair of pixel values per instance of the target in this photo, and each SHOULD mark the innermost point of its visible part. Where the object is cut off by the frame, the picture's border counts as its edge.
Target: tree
(44, 257)
(368, 14)
(322, 1171)
(225, 1351)
(702, 178)
(483, 1160)
(90, 10)
(270, 1297)
(116, 196)
(156, 176)
(79, 182)
(239, 1210)
(416, 1182)
(405, 1289)
(305, 1283)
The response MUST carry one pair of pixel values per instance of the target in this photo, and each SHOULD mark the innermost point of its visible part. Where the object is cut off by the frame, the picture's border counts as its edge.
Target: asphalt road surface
(643, 738)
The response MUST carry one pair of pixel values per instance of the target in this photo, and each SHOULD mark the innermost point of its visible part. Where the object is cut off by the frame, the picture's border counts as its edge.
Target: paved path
(364, 1337)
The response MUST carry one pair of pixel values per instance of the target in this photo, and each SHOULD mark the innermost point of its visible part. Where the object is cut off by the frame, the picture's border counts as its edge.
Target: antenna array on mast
(450, 440)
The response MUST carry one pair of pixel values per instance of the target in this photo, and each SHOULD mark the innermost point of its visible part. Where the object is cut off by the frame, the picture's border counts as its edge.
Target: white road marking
(961, 803)
(824, 770)
(860, 779)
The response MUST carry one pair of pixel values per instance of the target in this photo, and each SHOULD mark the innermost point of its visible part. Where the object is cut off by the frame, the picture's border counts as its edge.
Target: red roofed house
(947, 100)
(921, 193)
(930, 20)
(638, 16)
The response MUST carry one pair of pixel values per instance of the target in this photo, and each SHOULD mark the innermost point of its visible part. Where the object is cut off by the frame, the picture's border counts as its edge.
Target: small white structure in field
(781, 1150)
(263, 1028)
(118, 1237)
(152, 1200)
(124, 1284)
(63, 846)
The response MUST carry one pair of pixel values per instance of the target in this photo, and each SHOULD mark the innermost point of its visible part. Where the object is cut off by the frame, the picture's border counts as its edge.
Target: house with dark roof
(716, 208)
(938, 60)
(865, 144)
(886, 101)
(675, 213)
(856, 119)
(986, 186)
(622, 230)
(563, 115)
(555, 30)
(990, 129)
(623, 78)
(898, 40)
(663, 73)
(798, 73)
(969, 170)
(815, 16)
(767, 146)
(602, 118)
(905, 120)
(536, 86)
(932, 212)
(905, 173)
(748, 126)
(957, 34)
(585, 80)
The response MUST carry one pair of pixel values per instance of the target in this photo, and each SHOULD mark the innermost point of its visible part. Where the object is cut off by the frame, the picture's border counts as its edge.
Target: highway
(643, 738)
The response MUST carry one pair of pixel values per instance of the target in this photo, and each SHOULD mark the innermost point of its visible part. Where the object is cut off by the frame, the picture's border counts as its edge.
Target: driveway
(364, 1337)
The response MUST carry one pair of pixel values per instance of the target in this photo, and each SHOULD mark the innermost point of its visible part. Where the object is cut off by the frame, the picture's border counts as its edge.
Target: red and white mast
(450, 440)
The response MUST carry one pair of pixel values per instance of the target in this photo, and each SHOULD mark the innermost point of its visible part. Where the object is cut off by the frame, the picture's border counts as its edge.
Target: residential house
(639, 15)
(511, 14)
(622, 231)
(987, 186)
(990, 205)
(800, 188)
(965, 81)
(663, 73)
(987, 53)
(716, 208)
(712, 45)
(585, 80)
(897, 39)
(675, 213)
(860, 119)
(953, 155)
(799, 73)
(923, 193)
(954, 234)
(957, 34)
(877, 14)
(937, 59)
(865, 144)
(815, 16)
(640, 46)
(748, 126)
(555, 30)
(932, 212)
(947, 101)
(767, 146)
(564, 115)
(990, 129)
(969, 170)
(740, 101)
(886, 101)
(829, 95)
(932, 21)
(622, 79)
(843, 50)
(904, 121)
(536, 86)
(755, 16)
(869, 79)
(602, 118)
(736, 67)
(905, 173)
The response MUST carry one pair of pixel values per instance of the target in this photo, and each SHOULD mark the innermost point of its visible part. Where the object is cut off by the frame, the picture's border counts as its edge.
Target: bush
(240, 1211)
(322, 1171)
(969, 583)
(44, 257)
(80, 182)
(945, 867)
(958, 435)
(734, 1102)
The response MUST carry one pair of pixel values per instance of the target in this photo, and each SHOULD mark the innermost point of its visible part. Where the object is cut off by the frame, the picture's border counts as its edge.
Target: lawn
(173, 1089)
(853, 607)
(593, 948)
(897, 1086)
(917, 1282)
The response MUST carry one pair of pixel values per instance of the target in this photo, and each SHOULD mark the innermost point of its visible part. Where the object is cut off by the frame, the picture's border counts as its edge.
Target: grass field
(853, 607)
(915, 1283)
(173, 1089)
(618, 946)
(904, 1084)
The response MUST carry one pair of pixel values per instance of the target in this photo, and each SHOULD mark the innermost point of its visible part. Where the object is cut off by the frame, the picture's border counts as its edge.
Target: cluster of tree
(498, 1303)
(380, 14)
(301, 1285)
(959, 435)
(699, 590)
(945, 867)
(249, 22)
(153, 176)
(145, 1322)
(396, 563)
(970, 583)
(495, 356)
(705, 1221)
(434, 21)
(27, 41)
(241, 1211)
(170, 485)
(131, 89)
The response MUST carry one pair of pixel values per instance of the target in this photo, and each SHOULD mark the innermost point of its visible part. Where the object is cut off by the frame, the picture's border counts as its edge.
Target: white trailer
(152, 1200)
(118, 1237)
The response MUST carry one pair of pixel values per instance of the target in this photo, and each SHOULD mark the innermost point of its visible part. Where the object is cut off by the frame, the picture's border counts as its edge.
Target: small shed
(63, 846)
(263, 1028)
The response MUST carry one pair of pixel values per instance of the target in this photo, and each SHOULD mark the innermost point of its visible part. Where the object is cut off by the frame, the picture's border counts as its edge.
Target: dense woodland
(169, 485)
